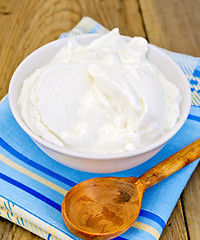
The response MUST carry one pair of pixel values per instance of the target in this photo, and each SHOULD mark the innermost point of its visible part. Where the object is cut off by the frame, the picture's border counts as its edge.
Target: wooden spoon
(104, 208)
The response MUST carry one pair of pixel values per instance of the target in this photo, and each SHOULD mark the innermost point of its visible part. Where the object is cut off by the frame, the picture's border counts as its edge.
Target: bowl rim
(100, 156)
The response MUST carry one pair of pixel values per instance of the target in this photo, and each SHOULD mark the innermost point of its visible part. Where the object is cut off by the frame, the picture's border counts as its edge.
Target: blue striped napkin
(32, 185)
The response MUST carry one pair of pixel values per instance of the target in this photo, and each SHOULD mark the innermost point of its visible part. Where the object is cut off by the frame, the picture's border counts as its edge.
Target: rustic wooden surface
(28, 24)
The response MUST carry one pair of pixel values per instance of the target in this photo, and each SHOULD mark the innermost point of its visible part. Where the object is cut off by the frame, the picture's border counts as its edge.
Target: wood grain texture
(190, 202)
(172, 164)
(102, 208)
(28, 24)
(175, 228)
(173, 24)
(10, 231)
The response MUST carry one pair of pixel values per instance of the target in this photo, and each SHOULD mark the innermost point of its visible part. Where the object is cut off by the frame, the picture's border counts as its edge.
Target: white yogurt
(105, 97)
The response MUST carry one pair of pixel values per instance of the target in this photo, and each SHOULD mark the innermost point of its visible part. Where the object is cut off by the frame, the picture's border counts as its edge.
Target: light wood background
(26, 25)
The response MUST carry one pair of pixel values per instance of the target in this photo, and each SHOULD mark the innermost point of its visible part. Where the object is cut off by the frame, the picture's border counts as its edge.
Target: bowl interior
(42, 55)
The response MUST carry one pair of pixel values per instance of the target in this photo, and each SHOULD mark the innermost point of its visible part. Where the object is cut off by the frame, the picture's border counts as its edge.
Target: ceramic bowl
(94, 162)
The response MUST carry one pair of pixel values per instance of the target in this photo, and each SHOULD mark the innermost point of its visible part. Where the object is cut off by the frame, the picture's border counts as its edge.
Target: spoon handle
(172, 164)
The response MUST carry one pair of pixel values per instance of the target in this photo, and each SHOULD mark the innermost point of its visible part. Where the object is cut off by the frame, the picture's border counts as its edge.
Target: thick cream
(105, 97)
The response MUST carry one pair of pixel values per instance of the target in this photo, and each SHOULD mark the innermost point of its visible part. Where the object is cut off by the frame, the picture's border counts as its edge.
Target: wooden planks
(10, 231)
(28, 24)
(173, 24)
(190, 202)
(175, 228)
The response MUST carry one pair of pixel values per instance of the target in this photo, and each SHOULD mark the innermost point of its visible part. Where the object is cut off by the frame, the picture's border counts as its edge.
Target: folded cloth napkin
(32, 185)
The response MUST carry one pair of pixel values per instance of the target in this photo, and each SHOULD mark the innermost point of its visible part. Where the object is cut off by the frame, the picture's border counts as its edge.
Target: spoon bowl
(104, 208)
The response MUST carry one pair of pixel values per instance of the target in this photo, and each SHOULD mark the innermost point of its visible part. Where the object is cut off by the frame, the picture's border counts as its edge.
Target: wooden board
(190, 203)
(173, 24)
(26, 25)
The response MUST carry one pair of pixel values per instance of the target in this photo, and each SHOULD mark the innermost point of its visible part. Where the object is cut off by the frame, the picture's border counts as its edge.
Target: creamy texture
(105, 97)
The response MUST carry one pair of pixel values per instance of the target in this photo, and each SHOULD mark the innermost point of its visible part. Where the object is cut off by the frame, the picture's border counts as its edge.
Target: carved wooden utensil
(103, 208)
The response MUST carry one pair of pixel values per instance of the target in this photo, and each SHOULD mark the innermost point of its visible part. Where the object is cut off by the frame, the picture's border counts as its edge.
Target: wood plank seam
(142, 18)
(185, 220)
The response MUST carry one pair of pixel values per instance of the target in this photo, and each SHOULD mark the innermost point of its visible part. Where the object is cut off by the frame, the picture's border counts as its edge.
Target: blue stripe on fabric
(32, 227)
(49, 236)
(152, 216)
(9, 206)
(8, 216)
(120, 238)
(39, 232)
(18, 221)
(22, 221)
(151, 223)
(44, 220)
(37, 166)
(95, 28)
(193, 117)
(27, 226)
(31, 191)
(5, 206)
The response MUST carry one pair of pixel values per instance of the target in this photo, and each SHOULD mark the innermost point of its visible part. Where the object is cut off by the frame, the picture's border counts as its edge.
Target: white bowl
(94, 162)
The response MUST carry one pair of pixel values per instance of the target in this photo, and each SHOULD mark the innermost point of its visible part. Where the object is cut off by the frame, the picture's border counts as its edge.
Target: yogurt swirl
(104, 97)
